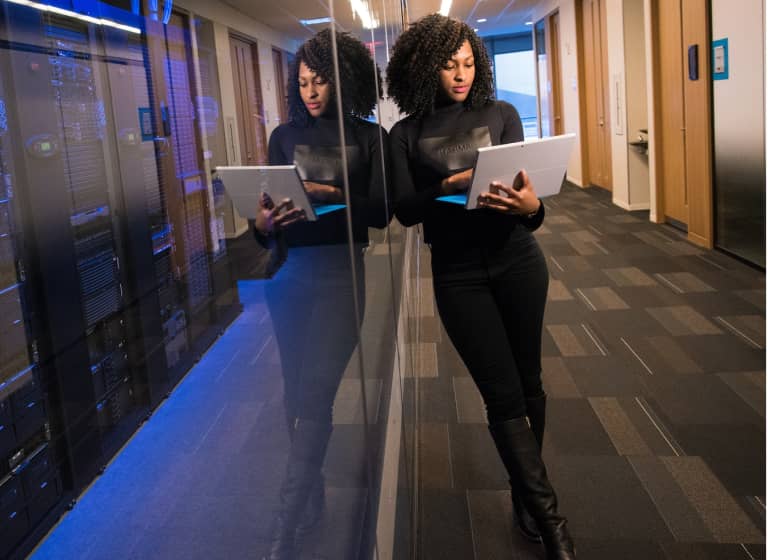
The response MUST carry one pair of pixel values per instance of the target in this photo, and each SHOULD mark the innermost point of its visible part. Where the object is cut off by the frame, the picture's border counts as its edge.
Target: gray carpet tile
(618, 505)
(435, 456)
(707, 551)
(474, 460)
(575, 429)
(493, 538)
(723, 353)
(612, 375)
(619, 427)
(736, 454)
(557, 379)
(670, 500)
(470, 408)
(626, 549)
(654, 364)
(445, 528)
(749, 386)
(437, 400)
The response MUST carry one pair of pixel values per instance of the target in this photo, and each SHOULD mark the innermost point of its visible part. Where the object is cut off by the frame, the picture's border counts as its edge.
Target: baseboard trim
(574, 181)
(632, 207)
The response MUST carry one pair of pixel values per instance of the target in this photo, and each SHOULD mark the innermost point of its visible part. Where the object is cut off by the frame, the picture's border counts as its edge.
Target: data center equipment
(113, 280)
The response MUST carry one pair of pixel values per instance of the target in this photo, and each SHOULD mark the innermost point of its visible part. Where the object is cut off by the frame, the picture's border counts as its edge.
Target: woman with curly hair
(490, 276)
(311, 298)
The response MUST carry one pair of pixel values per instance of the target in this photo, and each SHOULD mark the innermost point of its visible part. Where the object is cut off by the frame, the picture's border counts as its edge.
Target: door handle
(166, 119)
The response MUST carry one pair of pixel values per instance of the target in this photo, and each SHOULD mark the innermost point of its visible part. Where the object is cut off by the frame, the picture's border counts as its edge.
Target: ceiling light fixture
(528, 23)
(315, 21)
(363, 9)
(445, 7)
(82, 17)
(482, 20)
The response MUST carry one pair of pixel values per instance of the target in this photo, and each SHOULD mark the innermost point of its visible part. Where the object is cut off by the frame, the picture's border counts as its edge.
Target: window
(514, 72)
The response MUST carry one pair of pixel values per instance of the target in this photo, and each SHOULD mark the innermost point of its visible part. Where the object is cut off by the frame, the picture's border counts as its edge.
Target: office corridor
(655, 368)
(654, 365)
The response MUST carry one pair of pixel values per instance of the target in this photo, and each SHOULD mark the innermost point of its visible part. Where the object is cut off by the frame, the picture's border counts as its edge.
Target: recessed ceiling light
(476, 29)
(528, 23)
(315, 21)
(482, 20)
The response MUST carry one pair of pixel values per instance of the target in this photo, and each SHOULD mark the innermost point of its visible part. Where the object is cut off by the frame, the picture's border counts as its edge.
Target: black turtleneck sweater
(316, 151)
(427, 150)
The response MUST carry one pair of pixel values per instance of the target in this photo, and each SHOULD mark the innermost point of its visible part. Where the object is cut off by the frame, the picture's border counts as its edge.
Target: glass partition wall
(116, 278)
(367, 467)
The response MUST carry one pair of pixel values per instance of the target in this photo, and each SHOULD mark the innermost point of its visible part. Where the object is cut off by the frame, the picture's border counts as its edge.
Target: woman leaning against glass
(490, 276)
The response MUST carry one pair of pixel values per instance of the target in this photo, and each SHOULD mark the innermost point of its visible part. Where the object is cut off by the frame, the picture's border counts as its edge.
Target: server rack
(110, 274)
(29, 485)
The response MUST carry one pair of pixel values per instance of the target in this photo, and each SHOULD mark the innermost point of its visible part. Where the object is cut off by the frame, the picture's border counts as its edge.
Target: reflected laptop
(244, 185)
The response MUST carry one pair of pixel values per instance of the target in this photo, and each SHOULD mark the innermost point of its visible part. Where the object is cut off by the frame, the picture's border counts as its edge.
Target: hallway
(655, 369)
(654, 365)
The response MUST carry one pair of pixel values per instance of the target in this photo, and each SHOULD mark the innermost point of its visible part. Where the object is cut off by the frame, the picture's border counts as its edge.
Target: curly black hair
(413, 72)
(360, 76)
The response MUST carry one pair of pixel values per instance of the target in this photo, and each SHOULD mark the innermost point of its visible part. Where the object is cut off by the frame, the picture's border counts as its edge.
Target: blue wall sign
(720, 59)
(145, 124)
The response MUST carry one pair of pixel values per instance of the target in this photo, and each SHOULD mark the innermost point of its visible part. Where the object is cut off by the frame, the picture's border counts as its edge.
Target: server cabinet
(30, 483)
(112, 283)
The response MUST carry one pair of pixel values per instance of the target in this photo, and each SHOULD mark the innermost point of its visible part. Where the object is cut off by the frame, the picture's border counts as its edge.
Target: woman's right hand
(271, 217)
(456, 183)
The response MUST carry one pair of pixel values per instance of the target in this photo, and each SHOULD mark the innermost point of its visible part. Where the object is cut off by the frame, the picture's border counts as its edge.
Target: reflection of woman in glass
(311, 297)
(489, 274)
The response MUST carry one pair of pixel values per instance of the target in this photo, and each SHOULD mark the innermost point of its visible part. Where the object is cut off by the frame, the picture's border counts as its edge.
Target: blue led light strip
(69, 13)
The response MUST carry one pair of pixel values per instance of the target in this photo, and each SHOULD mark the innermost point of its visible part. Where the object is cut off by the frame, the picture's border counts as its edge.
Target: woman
(311, 299)
(490, 277)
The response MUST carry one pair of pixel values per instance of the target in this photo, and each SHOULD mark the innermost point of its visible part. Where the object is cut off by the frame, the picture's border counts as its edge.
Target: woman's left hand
(520, 200)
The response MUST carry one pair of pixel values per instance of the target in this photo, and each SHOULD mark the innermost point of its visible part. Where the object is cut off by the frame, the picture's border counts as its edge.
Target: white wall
(569, 71)
(649, 87)
(630, 194)
(226, 20)
(617, 102)
(738, 101)
(637, 102)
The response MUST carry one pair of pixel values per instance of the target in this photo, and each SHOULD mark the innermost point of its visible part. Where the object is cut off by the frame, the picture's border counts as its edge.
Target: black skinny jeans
(491, 302)
(310, 301)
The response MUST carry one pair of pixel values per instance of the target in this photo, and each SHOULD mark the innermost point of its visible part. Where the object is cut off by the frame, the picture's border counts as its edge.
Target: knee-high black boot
(521, 455)
(535, 409)
(305, 461)
(536, 412)
(313, 511)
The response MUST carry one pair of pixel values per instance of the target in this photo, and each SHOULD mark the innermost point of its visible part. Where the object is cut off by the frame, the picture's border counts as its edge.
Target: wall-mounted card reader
(693, 62)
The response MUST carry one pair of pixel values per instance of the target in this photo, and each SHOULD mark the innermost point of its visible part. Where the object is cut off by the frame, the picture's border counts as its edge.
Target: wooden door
(547, 36)
(556, 103)
(250, 113)
(542, 79)
(281, 87)
(671, 112)
(596, 126)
